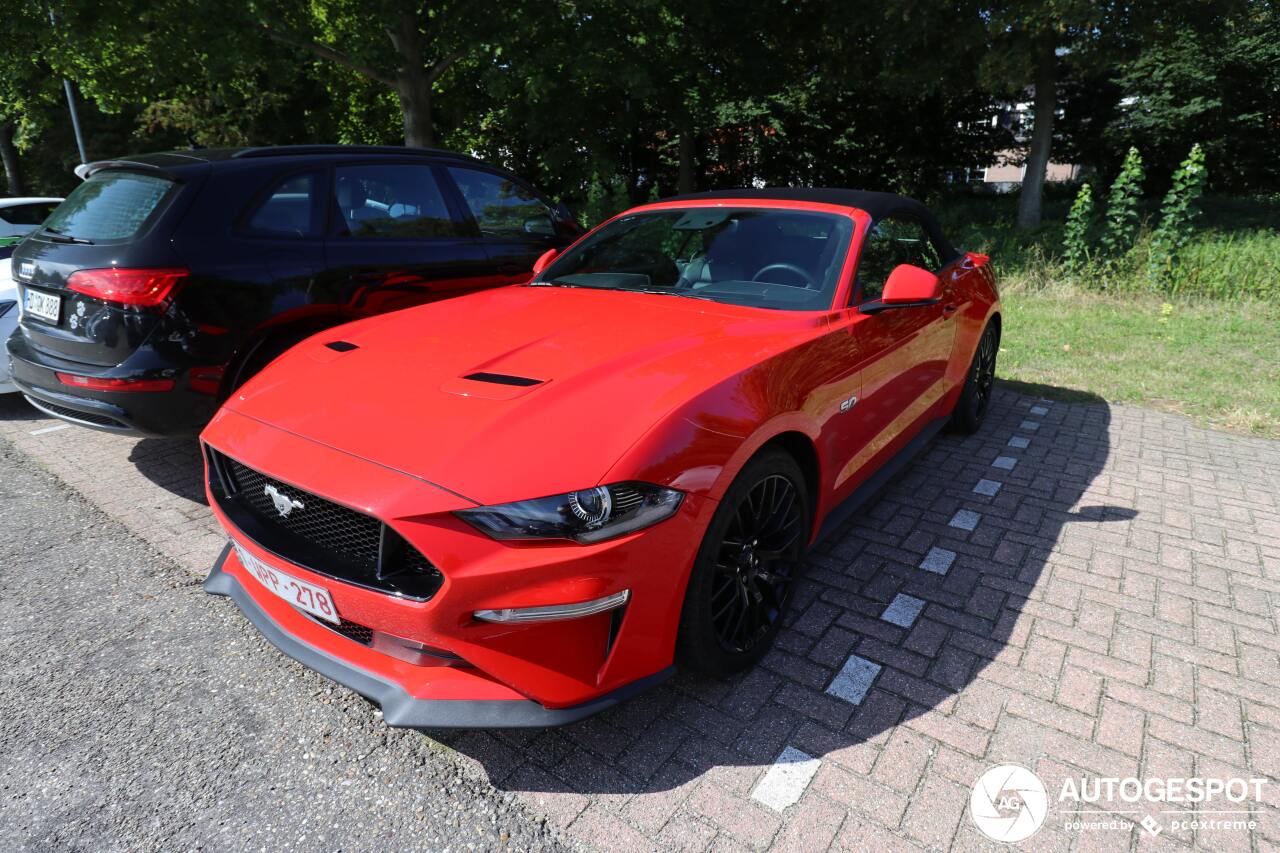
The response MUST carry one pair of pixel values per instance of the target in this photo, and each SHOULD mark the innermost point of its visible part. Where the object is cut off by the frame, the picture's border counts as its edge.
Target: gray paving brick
(854, 679)
(938, 560)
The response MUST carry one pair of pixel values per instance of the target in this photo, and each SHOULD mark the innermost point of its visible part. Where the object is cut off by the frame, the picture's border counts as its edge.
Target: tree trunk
(413, 84)
(1043, 108)
(684, 178)
(9, 154)
(415, 104)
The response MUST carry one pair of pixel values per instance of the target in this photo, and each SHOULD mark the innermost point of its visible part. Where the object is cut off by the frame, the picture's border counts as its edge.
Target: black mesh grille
(332, 527)
(319, 534)
(350, 630)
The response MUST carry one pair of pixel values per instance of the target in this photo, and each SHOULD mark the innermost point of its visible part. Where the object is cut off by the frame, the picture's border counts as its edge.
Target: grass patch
(1216, 361)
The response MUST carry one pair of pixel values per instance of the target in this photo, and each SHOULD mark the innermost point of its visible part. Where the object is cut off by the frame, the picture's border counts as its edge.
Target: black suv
(166, 280)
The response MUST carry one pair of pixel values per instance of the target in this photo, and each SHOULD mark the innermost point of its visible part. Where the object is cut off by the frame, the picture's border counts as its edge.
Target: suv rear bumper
(152, 413)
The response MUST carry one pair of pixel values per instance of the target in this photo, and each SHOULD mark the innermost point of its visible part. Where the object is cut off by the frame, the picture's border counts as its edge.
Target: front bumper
(398, 707)
(569, 665)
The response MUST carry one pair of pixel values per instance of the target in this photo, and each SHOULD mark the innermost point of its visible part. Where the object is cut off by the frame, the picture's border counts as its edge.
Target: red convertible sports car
(519, 507)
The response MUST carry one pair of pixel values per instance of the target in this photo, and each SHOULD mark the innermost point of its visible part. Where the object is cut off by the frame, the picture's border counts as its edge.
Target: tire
(742, 574)
(979, 383)
(266, 351)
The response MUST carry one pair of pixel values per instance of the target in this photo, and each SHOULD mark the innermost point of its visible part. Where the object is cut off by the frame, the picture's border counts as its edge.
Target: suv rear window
(109, 206)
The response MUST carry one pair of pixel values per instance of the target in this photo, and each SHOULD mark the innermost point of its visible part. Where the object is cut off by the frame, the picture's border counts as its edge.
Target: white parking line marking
(1019, 441)
(854, 679)
(965, 519)
(938, 560)
(987, 487)
(53, 428)
(1029, 426)
(787, 779)
(903, 610)
(1005, 462)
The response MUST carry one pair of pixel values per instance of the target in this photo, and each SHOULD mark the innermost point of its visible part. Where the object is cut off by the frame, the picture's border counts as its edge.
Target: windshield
(763, 258)
(110, 205)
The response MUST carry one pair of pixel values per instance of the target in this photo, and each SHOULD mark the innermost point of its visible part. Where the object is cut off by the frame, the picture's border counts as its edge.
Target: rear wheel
(742, 580)
(979, 384)
(263, 353)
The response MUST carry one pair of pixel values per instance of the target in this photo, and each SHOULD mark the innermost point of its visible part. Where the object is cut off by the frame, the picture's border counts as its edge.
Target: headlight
(6, 305)
(585, 516)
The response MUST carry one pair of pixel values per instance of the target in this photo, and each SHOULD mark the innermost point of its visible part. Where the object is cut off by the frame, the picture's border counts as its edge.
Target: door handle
(949, 309)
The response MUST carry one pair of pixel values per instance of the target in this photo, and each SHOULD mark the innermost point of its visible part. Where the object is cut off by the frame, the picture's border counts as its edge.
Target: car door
(513, 223)
(396, 239)
(903, 351)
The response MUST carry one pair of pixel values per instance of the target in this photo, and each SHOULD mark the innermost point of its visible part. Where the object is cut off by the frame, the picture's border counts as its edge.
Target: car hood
(513, 393)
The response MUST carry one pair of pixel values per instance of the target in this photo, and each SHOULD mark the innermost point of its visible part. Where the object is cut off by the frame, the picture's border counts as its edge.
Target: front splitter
(398, 707)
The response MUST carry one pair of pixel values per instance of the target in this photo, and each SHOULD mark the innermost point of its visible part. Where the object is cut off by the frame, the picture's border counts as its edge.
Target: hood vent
(503, 379)
(341, 346)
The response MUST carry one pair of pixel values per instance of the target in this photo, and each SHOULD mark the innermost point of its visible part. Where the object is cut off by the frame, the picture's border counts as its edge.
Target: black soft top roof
(876, 204)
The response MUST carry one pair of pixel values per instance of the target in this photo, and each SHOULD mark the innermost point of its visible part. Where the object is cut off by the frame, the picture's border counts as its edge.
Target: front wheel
(742, 579)
(975, 398)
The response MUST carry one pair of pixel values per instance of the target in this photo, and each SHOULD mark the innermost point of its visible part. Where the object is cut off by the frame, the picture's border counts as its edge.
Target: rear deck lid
(101, 225)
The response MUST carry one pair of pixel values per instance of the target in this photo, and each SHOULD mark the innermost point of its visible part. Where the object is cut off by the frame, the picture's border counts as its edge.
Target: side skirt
(877, 481)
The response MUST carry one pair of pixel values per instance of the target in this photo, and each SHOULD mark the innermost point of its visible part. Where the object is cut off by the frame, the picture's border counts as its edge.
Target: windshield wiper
(58, 237)
(555, 282)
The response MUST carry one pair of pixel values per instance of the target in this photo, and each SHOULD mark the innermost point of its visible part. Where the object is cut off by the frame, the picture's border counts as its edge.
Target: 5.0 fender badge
(846, 405)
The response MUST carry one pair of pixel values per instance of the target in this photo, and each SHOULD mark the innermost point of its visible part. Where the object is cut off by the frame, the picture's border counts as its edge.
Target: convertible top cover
(877, 205)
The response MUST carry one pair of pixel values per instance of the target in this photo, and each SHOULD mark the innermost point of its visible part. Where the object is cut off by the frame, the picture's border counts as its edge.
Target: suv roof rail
(283, 150)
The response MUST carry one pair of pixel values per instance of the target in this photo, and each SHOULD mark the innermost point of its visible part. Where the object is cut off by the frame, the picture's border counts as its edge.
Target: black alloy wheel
(749, 561)
(979, 385)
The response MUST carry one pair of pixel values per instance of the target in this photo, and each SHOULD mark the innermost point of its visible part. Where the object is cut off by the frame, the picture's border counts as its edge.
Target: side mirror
(911, 285)
(544, 261)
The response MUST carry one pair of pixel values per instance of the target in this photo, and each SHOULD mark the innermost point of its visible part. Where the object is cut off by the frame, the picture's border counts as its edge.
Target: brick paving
(1083, 589)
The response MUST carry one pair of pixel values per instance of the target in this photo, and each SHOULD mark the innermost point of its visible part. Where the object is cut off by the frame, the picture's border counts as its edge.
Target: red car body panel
(675, 392)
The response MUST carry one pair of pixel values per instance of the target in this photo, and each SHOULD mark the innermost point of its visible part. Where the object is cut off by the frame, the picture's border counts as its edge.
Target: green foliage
(1233, 253)
(1210, 72)
(1122, 218)
(604, 199)
(1176, 217)
(1075, 246)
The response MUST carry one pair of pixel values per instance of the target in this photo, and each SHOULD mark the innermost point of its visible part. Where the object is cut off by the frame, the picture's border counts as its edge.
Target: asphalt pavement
(139, 713)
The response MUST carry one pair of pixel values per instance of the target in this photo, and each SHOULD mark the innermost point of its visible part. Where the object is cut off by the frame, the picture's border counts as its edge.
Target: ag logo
(1009, 803)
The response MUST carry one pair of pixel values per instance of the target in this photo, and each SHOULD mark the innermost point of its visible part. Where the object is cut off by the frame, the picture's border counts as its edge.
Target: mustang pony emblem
(283, 503)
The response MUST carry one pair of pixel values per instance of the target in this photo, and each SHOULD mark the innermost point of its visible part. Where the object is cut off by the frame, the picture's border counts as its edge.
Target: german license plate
(46, 306)
(302, 595)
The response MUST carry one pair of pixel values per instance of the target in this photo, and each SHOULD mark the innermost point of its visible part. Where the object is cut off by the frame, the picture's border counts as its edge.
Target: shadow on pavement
(173, 464)
(924, 674)
(13, 407)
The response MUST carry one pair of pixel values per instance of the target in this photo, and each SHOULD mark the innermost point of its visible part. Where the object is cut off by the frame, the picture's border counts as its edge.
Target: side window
(391, 200)
(290, 209)
(892, 242)
(502, 207)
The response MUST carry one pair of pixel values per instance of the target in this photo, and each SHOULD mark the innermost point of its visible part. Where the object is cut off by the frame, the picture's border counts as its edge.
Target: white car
(8, 321)
(20, 216)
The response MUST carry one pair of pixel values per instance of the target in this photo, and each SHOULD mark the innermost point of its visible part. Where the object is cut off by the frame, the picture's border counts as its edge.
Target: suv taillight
(145, 288)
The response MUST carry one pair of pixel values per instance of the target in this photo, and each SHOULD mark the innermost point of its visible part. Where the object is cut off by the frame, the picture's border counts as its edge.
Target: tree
(1030, 41)
(404, 45)
(1208, 72)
